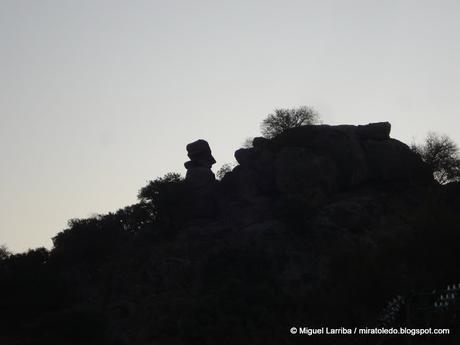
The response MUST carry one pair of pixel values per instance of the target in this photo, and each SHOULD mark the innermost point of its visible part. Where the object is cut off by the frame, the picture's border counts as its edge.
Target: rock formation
(198, 198)
(199, 173)
(315, 162)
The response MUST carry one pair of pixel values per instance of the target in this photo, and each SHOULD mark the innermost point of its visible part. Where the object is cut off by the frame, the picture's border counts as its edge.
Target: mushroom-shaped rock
(199, 172)
(199, 152)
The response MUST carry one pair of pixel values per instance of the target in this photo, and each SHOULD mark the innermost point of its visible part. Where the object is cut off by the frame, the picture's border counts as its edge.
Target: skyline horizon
(182, 173)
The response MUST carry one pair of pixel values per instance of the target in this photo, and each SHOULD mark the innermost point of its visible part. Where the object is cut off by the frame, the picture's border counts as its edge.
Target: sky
(98, 97)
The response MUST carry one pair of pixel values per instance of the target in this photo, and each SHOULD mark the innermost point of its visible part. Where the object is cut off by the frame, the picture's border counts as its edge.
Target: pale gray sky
(97, 97)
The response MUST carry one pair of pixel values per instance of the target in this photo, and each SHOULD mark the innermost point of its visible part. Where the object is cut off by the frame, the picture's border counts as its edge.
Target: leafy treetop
(283, 119)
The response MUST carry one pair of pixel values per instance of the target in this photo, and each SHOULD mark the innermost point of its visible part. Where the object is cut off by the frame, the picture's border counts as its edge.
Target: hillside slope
(321, 226)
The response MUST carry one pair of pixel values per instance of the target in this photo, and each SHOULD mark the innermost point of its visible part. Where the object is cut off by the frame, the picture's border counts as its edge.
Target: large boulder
(339, 143)
(392, 160)
(260, 143)
(355, 214)
(299, 170)
(374, 131)
(244, 156)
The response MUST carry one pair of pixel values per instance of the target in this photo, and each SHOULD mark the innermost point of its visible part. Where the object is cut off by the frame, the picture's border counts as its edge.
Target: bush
(224, 169)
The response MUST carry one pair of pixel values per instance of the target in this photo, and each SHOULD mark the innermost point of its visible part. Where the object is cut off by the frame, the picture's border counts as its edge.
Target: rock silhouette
(315, 162)
(319, 226)
(199, 171)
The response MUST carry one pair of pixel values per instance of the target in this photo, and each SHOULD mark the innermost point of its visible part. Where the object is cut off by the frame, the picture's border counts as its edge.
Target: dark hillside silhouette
(318, 226)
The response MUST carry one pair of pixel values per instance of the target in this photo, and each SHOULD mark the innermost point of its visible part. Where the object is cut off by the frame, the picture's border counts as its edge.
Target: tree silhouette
(441, 154)
(225, 168)
(284, 119)
(4, 252)
(159, 194)
(247, 144)
(150, 193)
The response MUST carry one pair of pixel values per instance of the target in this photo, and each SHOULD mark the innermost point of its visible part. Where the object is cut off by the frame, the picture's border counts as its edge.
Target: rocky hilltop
(321, 226)
(314, 163)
